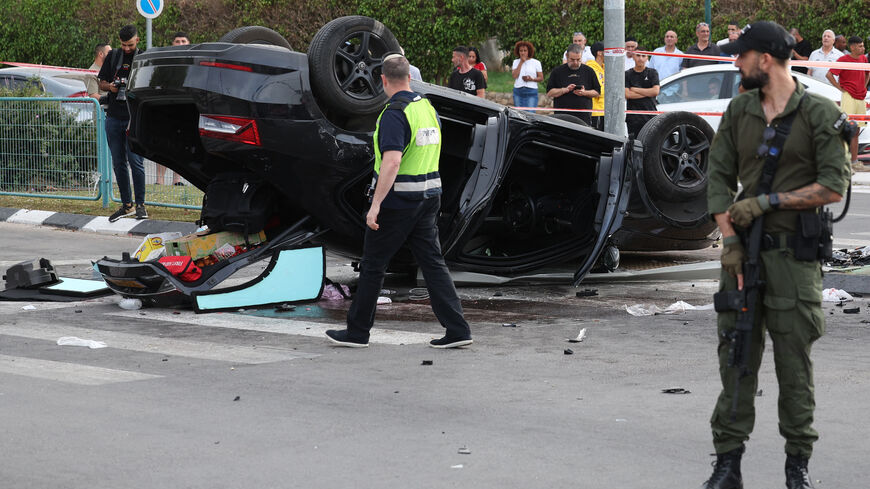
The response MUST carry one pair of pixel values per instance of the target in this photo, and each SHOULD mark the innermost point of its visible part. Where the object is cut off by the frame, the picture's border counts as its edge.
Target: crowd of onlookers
(579, 82)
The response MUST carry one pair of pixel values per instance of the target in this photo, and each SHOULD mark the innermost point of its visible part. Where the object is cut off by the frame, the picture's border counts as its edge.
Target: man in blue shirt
(667, 65)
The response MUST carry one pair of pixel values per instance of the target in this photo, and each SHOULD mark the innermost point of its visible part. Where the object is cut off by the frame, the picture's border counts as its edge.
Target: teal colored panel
(77, 285)
(296, 275)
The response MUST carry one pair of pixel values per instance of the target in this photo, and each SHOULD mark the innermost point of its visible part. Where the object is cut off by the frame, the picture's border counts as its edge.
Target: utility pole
(614, 67)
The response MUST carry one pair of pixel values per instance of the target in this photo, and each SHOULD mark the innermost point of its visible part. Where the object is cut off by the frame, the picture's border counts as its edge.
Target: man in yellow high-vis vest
(404, 208)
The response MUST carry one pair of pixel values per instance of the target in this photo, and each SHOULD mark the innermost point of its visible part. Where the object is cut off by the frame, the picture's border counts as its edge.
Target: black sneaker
(124, 211)
(340, 338)
(141, 213)
(450, 342)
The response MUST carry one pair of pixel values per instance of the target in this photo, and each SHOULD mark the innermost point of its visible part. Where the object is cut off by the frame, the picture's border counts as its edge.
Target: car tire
(255, 34)
(345, 59)
(570, 118)
(676, 152)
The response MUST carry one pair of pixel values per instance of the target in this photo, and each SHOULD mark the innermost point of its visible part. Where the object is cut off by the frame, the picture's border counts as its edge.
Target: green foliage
(64, 32)
(45, 32)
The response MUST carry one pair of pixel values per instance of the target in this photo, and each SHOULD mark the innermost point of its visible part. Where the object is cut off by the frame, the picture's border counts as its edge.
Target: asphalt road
(259, 399)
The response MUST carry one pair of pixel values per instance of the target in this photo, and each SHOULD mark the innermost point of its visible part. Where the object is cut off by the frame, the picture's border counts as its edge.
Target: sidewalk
(94, 224)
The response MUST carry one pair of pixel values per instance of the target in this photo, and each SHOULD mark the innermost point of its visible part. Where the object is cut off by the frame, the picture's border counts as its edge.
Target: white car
(710, 88)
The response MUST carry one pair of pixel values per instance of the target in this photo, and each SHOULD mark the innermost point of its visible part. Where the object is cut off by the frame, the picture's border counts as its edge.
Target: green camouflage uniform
(791, 308)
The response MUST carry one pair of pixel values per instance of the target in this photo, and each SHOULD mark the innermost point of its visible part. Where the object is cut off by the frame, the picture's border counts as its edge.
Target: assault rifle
(745, 303)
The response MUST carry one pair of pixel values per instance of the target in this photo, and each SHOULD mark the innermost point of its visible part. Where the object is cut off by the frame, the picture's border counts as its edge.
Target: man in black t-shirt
(464, 77)
(641, 90)
(802, 50)
(113, 77)
(573, 85)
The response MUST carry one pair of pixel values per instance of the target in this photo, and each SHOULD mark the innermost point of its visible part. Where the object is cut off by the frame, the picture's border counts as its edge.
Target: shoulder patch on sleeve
(838, 124)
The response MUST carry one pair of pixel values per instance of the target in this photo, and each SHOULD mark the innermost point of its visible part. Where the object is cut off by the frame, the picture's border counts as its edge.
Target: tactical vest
(418, 176)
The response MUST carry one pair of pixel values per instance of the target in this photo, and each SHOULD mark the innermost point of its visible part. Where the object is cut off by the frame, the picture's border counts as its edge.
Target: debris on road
(852, 310)
(580, 337)
(464, 451)
(835, 295)
(384, 300)
(285, 308)
(675, 308)
(458, 466)
(568, 351)
(427, 362)
(587, 293)
(238, 398)
(130, 304)
(508, 325)
(676, 390)
(75, 341)
(29, 307)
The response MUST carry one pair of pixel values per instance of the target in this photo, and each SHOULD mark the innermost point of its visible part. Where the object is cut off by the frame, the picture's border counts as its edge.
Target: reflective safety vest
(418, 176)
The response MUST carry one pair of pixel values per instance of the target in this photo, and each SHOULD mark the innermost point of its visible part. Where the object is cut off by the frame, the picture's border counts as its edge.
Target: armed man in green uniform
(811, 169)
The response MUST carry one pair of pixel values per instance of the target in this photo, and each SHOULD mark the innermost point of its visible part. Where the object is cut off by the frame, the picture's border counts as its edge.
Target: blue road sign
(150, 8)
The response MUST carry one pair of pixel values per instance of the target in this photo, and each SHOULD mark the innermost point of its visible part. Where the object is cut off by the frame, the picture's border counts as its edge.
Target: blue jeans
(415, 226)
(116, 134)
(525, 97)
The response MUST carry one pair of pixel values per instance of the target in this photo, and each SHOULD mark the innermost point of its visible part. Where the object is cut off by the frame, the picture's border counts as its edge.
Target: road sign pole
(148, 33)
(614, 67)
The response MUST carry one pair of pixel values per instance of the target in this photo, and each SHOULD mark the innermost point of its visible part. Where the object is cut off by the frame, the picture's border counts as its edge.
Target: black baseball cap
(764, 37)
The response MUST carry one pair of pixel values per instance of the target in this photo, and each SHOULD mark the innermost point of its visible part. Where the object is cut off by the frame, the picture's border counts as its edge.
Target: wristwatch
(773, 198)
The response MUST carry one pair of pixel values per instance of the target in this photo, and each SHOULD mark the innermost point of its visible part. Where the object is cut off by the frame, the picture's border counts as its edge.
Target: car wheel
(570, 118)
(255, 34)
(676, 154)
(345, 59)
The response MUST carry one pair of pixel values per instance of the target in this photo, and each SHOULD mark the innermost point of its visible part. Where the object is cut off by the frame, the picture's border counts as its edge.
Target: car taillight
(238, 129)
(230, 66)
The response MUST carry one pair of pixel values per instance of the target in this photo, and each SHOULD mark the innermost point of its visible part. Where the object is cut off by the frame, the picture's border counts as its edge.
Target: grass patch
(169, 194)
(502, 81)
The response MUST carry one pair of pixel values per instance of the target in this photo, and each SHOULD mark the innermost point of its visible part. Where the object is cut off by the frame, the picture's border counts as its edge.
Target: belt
(775, 241)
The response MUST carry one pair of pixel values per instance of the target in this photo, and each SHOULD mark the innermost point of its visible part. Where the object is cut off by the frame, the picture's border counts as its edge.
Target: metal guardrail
(56, 148)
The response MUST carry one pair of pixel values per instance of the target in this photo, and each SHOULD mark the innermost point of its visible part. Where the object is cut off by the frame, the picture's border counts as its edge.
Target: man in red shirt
(853, 84)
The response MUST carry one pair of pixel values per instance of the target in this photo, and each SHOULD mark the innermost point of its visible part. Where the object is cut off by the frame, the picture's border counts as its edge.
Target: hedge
(64, 32)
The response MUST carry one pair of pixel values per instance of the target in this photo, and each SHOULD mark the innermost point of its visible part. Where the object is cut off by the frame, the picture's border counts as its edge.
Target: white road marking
(167, 346)
(68, 372)
(274, 325)
(850, 243)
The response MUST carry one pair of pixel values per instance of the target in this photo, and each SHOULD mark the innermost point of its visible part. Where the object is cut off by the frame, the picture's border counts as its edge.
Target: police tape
(855, 117)
(795, 62)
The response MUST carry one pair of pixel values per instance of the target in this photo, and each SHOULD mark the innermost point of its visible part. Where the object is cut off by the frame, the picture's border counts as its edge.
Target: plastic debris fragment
(75, 341)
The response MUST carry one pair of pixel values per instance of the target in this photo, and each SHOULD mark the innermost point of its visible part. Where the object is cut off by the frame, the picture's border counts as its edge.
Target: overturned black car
(521, 191)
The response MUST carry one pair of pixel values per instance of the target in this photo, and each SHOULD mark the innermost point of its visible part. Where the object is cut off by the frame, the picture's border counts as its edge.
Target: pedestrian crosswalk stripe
(166, 346)
(274, 325)
(68, 372)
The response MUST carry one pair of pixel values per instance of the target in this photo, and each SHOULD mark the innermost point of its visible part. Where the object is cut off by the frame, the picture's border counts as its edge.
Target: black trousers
(417, 227)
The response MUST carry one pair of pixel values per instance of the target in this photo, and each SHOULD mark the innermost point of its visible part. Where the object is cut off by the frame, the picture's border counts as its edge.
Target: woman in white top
(527, 72)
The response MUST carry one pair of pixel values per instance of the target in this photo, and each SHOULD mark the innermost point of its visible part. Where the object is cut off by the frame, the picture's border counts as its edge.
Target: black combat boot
(796, 475)
(726, 471)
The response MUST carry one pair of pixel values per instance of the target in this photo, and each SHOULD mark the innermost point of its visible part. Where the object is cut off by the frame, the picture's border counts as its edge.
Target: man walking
(641, 90)
(825, 53)
(667, 65)
(113, 78)
(703, 47)
(853, 85)
(573, 85)
(812, 172)
(404, 208)
(465, 78)
(92, 85)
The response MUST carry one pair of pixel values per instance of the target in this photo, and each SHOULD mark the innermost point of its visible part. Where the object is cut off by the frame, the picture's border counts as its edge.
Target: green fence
(56, 148)
(53, 147)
